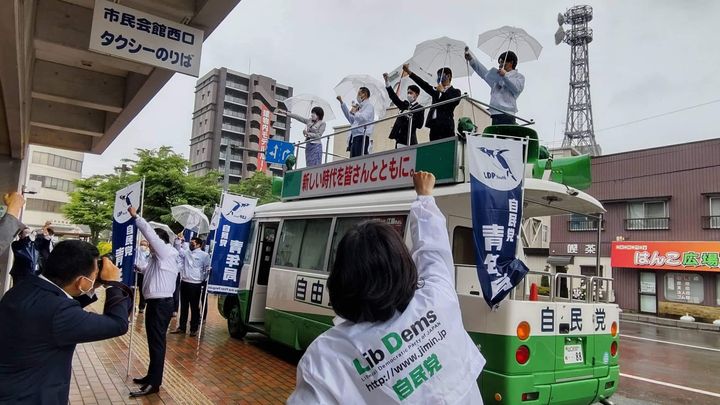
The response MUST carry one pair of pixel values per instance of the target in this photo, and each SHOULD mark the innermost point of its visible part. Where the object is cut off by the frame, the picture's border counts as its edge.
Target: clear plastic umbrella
(158, 225)
(507, 38)
(400, 82)
(191, 218)
(303, 103)
(440, 52)
(349, 86)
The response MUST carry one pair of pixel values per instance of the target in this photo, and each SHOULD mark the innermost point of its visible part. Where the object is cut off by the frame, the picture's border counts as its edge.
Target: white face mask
(411, 98)
(314, 117)
(91, 292)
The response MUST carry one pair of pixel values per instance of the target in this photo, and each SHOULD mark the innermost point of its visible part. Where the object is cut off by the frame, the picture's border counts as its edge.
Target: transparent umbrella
(440, 52)
(158, 225)
(303, 103)
(507, 38)
(400, 82)
(349, 86)
(191, 218)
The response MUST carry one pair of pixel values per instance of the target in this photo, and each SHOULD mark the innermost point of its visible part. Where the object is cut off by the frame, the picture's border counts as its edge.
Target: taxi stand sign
(141, 37)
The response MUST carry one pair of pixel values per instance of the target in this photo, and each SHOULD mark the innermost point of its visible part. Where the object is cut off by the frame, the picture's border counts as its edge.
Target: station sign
(679, 256)
(137, 36)
(380, 171)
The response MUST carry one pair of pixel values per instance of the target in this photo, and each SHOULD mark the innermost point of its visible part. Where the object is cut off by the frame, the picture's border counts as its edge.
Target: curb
(669, 322)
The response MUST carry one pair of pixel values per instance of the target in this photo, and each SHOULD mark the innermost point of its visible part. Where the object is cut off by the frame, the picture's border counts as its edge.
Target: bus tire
(236, 327)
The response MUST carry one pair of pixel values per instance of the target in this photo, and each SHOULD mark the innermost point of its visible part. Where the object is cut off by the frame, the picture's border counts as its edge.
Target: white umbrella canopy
(349, 86)
(400, 82)
(507, 38)
(191, 218)
(303, 103)
(158, 225)
(437, 53)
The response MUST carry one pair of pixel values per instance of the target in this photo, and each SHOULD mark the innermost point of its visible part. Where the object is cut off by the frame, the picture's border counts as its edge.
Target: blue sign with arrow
(278, 151)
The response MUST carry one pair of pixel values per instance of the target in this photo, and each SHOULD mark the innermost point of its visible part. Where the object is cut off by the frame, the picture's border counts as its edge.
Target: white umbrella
(158, 225)
(434, 54)
(495, 42)
(349, 86)
(303, 103)
(191, 218)
(400, 83)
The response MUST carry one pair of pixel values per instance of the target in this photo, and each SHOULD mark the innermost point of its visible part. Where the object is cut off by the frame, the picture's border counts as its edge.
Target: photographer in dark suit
(441, 119)
(42, 320)
(400, 128)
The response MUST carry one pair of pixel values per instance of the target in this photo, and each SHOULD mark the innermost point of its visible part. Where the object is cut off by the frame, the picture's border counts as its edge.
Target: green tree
(91, 205)
(258, 186)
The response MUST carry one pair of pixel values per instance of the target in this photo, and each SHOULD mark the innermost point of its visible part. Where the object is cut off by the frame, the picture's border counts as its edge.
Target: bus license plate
(573, 354)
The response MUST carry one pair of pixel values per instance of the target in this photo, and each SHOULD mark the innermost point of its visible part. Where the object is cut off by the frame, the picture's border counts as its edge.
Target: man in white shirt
(359, 116)
(141, 262)
(158, 288)
(196, 266)
(506, 84)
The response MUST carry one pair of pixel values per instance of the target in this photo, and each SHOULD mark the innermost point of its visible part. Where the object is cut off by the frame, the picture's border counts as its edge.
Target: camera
(110, 257)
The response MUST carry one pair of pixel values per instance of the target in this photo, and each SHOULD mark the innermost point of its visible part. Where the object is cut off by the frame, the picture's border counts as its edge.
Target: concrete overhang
(55, 92)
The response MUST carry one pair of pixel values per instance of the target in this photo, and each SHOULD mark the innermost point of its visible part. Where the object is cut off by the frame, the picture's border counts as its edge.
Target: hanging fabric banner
(231, 236)
(124, 231)
(213, 226)
(496, 184)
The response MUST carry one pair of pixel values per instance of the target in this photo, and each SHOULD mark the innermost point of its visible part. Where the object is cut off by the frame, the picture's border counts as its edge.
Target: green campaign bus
(555, 347)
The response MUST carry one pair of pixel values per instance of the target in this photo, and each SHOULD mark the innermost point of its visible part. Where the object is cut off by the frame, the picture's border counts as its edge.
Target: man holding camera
(42, 320)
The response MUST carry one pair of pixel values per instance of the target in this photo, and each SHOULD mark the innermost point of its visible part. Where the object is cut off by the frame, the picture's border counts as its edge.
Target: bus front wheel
(236, 326)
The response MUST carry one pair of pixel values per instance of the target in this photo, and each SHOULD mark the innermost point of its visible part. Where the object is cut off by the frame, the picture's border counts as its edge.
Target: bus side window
(343, 225)
(463, 246)
(302, 243)
(250, 247)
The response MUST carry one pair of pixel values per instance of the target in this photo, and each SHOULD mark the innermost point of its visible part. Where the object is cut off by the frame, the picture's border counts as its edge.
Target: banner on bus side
(124, 231)
(496, 186)
(231, 236)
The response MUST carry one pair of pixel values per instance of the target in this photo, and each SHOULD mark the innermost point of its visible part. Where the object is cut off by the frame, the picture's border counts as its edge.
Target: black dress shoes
(141, 381)
(146, 389)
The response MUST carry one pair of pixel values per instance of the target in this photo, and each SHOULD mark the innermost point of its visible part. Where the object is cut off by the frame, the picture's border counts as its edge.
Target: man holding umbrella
(441, 119)
(505, 82)
(359, 116)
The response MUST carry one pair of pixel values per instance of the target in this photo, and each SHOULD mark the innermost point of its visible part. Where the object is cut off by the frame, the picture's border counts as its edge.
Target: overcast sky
(648, 57)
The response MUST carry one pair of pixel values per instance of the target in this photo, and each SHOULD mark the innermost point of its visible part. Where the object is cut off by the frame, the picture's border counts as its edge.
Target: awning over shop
(560, 260)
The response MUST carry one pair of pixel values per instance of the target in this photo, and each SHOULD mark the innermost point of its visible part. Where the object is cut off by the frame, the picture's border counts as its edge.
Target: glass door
(648, 294)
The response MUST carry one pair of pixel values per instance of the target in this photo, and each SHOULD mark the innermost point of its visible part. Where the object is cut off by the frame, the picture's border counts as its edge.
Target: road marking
(666, 384)
(670, 343)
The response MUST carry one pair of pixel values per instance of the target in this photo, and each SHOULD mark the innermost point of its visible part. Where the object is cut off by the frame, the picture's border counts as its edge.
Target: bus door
(463, 250)
(261, 272)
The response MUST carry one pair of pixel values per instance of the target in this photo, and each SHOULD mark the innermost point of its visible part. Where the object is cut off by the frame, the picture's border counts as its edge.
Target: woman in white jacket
(399, 335)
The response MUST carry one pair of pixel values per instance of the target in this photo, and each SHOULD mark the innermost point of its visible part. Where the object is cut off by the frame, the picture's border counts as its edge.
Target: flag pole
(135, 284)
(205, 299)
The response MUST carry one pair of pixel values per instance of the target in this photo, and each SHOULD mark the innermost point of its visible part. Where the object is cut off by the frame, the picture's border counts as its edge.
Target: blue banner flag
(213, 226)
(231, 236)
(124, 231)
(188, 234)
(496, 186)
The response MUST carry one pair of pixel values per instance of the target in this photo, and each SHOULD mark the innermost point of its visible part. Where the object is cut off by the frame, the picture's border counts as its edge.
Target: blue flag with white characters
(124, 231)
(496, 186)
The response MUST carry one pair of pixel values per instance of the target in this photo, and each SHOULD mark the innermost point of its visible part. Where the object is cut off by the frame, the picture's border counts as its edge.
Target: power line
(659, 115)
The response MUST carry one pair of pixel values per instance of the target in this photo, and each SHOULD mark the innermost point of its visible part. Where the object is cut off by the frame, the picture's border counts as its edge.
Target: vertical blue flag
(124, 231)
(231, 236)
(213, 226)
(496, 185)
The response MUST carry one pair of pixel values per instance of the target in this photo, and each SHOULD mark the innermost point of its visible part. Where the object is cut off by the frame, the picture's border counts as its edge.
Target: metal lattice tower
(579, 132)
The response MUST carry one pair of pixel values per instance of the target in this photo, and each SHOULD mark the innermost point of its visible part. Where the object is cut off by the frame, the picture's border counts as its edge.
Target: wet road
(668, 365)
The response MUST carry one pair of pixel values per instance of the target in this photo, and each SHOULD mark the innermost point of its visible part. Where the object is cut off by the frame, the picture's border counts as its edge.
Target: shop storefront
(668, 278)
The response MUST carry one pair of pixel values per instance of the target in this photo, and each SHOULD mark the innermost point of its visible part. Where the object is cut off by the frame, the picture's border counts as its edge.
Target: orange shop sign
(681, 256)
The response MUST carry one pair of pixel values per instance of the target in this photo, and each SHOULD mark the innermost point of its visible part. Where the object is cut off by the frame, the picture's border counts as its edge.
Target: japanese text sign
(124, 231)
(231, 237)
(496, 187)
(264, 136)
(137, 36)
(681, 256)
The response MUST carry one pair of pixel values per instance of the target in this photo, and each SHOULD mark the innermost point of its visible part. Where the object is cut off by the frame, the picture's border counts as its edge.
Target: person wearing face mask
(314, 130)
(360, 115)
(506, 84)
(196, 265)
(400, 128)
(43, 320)
(26, 257)
(45, 242)
(440, 120)
(141, 262)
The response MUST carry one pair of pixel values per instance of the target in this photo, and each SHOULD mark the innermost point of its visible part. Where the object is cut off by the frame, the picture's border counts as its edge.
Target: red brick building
(660, 237)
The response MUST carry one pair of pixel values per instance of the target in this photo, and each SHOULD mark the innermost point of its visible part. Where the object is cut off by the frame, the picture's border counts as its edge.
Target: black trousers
(503, 119)
(356, 146)
(140, 279)
(441, 130)
(157, 319)
(190, 299)
(176, 294)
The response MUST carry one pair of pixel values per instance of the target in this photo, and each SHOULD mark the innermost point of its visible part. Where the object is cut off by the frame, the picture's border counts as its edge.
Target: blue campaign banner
(278, 151)
(124, 231)
(231, 236)
(188, 234)
(213, 226)
(496, 186)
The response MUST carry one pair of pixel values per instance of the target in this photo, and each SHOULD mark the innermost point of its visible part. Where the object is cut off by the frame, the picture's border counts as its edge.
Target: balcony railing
(236, 100)
(231, 113)
(584, 225)
(711, 222)
(234, 128)
(236, 144)
(642, 224)
(237, 86)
